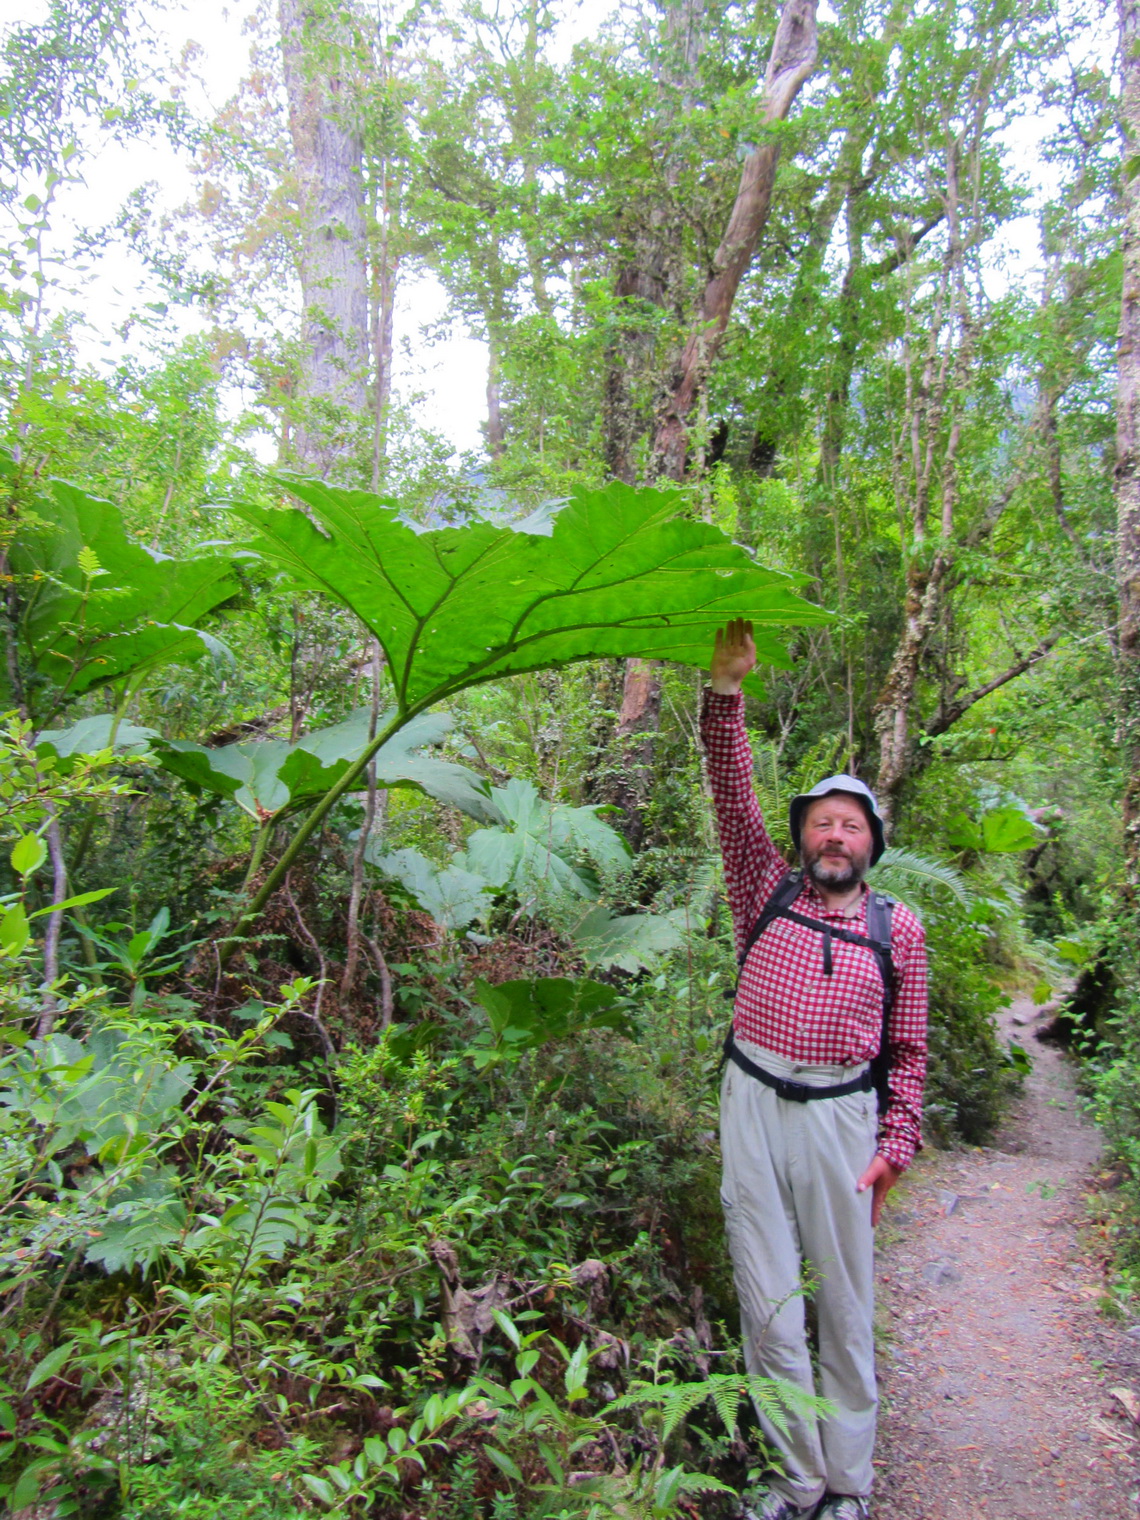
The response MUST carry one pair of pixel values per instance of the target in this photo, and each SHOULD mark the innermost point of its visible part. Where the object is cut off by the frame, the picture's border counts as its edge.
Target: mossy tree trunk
(1128, 444)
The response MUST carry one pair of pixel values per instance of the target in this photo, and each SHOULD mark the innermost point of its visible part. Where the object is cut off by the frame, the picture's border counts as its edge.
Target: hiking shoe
(773, 1506)
(844, 1507)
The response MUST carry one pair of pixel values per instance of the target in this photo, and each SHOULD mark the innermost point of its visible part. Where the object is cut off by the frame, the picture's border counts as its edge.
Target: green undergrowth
(231, 1289)
(436, 1236)
(425, 1281)
(1102, 1027)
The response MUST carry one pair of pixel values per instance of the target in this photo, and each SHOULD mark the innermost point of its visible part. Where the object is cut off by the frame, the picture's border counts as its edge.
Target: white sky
(449, 373)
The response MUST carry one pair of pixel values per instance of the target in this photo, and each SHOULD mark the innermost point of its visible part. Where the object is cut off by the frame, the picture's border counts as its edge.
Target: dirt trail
(995, 1364)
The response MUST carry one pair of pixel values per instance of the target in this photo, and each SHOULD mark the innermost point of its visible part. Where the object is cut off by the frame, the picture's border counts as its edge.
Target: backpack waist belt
(794, 1092)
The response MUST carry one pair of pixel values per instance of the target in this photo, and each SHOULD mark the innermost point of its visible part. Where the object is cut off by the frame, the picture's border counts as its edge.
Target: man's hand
(734, 655)
(881, 1176)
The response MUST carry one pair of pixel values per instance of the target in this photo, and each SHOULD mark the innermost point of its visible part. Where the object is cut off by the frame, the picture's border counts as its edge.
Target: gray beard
(838, 874)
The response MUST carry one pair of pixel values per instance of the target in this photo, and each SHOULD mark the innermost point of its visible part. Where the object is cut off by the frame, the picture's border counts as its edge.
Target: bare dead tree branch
(949, 714)
(352, 931)
(49, 1005)
(793, 56)
(387, 1003)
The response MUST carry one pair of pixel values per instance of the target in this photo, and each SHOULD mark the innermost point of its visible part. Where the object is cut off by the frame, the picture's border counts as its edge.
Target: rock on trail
(997, 1370)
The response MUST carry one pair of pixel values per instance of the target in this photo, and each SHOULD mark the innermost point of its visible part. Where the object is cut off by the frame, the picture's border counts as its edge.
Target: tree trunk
(385, 271)
(929, 401)
(333, 255)
(650, 277)
(642, 283)
(650, 272)
(792, 60)
(1128, 449)
(496, 430)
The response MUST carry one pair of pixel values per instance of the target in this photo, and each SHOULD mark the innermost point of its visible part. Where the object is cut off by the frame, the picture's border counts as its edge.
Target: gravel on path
(996, 1366)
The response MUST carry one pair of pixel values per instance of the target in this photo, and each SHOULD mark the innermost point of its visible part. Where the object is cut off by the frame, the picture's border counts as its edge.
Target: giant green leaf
(525, 1014)
(96, 606)
(452, 895)
(618, 572)
(266, 777)
(615, 572)
(544, 846)
(1002, 831)
(1006, 830)
(90, 736)
(629, 941)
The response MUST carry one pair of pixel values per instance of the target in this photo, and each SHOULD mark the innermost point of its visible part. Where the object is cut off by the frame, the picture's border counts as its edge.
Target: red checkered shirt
(785, 1002)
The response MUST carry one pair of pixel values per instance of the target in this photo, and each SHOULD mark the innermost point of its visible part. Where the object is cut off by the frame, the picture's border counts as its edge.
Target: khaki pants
(789, 1198)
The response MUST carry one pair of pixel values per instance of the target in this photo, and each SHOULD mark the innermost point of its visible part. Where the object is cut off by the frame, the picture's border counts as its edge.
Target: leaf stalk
(230, 944)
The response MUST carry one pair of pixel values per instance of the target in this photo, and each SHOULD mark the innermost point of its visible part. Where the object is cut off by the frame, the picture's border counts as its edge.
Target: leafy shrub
(969, 1075)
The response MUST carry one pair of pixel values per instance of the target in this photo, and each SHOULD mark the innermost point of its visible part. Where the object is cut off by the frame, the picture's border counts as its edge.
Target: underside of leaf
(620, 573)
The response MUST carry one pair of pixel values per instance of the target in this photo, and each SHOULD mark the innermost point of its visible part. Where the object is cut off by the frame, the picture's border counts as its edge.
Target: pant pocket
(731, 1218)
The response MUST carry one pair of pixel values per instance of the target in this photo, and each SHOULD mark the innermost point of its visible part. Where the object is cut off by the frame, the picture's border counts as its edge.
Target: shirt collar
(813, 893)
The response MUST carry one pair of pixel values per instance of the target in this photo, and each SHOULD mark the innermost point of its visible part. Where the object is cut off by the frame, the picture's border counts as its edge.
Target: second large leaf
(268, 776)
(620, 572)
(130, 608)
(544, 846)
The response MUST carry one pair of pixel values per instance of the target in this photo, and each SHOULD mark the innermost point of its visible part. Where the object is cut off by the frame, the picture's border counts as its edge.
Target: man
(805, 1175)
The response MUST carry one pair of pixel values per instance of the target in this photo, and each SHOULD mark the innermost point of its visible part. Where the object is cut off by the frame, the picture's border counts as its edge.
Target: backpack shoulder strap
(880, 911)
(783, 895)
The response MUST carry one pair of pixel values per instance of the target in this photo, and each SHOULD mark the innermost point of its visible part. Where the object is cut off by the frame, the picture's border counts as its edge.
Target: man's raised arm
(752, 864)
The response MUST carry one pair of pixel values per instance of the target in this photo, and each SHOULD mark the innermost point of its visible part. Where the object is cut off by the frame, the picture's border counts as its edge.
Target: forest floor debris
(1005, 1388)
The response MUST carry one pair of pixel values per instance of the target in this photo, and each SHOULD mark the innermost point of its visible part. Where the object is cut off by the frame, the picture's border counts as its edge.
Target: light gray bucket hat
(855, 788)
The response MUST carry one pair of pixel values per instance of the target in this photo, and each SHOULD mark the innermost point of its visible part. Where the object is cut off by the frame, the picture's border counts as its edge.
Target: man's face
(836, 841)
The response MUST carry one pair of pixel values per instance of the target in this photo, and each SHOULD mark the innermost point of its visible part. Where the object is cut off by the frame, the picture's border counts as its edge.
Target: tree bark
(930, 399)
(650, 272)
(333, 254)
(385, 273)
(496, 429)
(642, 284)
(1128, 448)
(792, 59)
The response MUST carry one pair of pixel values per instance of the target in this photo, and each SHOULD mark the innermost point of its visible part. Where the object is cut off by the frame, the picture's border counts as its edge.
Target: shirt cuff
(717, 704)
(898, 1150)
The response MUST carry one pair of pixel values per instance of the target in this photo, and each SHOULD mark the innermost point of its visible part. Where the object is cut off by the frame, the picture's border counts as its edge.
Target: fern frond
(905, 873)
(773, 1397)
(726, 1396)
(681, 1400)
(637, 1397)
(702, 1483)
(822, 759)
(776, 1398)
